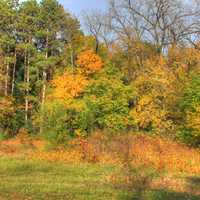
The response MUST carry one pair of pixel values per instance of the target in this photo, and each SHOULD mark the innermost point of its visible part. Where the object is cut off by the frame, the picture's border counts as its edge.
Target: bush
(2, 137)
(189, 136)
(7, 115)
(190, 131)
(53, 122)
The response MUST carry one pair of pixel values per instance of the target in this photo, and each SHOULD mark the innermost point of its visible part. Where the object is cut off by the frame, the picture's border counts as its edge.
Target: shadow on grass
(194, 181)
(193, 184)
(191, 193)
(163, 194)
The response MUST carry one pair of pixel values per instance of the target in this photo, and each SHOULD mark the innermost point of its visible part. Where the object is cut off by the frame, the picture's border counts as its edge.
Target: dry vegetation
(173, 165)
(161, 154)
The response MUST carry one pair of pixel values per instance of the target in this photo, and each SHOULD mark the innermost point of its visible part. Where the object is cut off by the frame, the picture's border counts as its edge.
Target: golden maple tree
(68, 85)
(156, 90)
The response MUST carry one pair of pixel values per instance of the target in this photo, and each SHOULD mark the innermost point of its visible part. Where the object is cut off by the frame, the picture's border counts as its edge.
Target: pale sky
(76, 6)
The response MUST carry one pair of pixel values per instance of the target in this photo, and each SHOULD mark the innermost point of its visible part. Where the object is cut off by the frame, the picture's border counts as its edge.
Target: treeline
(35, 41)
(137, 70)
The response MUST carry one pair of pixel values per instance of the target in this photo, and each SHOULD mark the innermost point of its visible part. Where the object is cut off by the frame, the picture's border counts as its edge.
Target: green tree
(190, 132)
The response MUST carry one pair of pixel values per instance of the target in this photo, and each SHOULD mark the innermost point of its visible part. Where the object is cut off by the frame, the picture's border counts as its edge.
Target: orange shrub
(165, 154)
(139, 151)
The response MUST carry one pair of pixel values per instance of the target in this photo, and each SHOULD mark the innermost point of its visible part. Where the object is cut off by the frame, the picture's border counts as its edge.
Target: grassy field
(24, 179)
(28, 173)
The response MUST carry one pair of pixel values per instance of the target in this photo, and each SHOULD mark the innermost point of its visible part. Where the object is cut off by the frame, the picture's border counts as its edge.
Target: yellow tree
(156, 87)
(68, 86)
(72, 82)
(186, 58)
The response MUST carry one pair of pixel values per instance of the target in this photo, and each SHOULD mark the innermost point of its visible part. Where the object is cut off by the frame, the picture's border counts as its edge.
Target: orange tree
(89, 62)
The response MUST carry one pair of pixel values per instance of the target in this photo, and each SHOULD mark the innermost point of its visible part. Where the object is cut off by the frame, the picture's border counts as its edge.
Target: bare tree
(158, 23)
(161, 22)
(97, 24)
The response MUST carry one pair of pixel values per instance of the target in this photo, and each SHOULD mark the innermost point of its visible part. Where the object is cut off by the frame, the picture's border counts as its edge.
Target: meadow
(31, 171)
(103, 106)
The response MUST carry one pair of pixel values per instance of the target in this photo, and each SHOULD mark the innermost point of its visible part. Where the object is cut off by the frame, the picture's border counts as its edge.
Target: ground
(24, 177)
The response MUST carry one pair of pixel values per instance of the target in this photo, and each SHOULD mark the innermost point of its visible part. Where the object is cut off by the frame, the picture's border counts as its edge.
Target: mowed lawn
(25, 179)
(22, 179)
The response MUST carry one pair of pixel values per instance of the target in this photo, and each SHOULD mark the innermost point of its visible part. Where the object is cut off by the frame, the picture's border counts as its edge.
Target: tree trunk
(97, 45)
(6, 80)
(27, 80)
(27, 90)
(13, 74)
(44, 75)
(72, 58)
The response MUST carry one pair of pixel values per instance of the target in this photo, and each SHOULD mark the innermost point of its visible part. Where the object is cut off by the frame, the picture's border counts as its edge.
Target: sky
(77, 6)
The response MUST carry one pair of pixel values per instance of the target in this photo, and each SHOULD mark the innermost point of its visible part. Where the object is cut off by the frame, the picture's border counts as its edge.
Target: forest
(117, 91)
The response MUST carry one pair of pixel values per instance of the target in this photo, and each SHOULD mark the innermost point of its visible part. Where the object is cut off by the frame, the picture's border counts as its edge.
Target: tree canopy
(137, 69)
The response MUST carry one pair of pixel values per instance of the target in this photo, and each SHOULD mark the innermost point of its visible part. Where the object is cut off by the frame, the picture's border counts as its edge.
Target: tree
(161, 22)
(69, 85)
(157, 90)
(89, 62)
(190, 132)
(57, 28)
(96, 24)
(7, 40)
(7, 115)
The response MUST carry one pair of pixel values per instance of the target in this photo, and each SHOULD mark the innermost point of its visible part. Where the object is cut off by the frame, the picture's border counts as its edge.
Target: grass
(29, 172)
(26, 179)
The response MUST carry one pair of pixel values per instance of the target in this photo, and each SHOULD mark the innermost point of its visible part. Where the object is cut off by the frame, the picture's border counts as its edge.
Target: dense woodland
(135, 68)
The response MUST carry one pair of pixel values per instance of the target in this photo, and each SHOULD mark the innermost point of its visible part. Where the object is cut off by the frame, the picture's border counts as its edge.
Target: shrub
(53, 122)
(7, 115)
(190, 132)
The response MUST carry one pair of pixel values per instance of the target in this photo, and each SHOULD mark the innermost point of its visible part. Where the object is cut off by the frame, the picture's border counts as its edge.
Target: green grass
(20, 179)
(25, 179)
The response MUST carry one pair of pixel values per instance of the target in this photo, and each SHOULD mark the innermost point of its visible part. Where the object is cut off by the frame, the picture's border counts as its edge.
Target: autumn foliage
(69, 85)
(58, 81)
(7, 114)
(127, 95)
(156, 88)
(89, 62)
